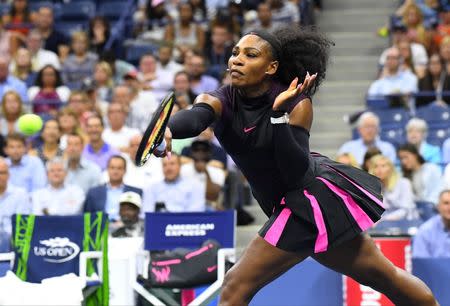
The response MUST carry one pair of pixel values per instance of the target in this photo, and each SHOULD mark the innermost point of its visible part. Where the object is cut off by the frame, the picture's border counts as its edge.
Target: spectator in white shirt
(139, 176)
(284, 12)
(57, 198)
(118, 134)
(166, 61)
(143, 176)
(143, 99)
(211, 178)
(139, 110)
(166, 67)
(178, 194)
(150, 77)
(264, 19)
(39, 56)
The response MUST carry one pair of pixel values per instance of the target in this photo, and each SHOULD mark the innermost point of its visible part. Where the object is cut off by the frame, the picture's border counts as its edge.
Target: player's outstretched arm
(190, 123)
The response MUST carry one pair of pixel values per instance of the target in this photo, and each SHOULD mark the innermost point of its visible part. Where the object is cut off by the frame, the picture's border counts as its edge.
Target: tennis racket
(154, 134)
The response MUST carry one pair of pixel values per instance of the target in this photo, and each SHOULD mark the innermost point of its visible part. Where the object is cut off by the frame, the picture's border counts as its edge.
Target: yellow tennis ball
(29, 124)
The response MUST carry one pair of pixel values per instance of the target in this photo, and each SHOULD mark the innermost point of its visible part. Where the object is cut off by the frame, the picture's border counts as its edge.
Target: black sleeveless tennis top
(245, 132)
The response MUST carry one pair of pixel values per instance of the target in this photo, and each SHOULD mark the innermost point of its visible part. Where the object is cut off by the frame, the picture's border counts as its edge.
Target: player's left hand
(293, 91)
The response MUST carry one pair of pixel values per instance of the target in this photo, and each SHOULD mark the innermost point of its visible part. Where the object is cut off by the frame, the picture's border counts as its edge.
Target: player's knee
(423, 294)
(429, 299)
(230, 285)
(228, 282)
(235, 290)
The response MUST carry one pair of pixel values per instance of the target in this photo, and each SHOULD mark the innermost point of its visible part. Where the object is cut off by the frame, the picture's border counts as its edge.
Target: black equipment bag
(184, 268)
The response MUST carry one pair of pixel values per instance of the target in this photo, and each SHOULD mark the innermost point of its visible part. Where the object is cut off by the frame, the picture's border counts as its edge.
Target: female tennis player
(316, 207)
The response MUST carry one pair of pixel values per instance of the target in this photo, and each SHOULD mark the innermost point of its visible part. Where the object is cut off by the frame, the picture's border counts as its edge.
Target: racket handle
(162, 146)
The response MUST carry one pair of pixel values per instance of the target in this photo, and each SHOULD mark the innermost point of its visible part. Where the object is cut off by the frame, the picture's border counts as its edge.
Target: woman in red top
(48, 93)
(19, 21)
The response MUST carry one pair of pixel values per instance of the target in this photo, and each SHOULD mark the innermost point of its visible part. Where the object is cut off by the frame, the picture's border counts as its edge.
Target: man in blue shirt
(97, 151)
(433, 237)
(27, 172)
(394, 80)
(106, 197)
(80, 172)
(368, 128)
(8, 82)
(200, 82)
(13, 200)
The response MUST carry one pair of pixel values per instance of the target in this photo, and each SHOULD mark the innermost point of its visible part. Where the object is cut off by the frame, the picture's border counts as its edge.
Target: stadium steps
(354, 19)
(364, 6)
(352, 25)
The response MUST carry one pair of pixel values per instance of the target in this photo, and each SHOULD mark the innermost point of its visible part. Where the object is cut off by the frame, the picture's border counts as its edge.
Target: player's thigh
(360, 259)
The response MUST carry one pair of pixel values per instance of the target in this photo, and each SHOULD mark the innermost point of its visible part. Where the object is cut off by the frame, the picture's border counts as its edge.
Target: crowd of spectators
(403, 137)
(79, 69)
(96, 90)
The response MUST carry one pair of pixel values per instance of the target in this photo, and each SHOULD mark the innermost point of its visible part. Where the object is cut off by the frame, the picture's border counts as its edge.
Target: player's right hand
(165, 148)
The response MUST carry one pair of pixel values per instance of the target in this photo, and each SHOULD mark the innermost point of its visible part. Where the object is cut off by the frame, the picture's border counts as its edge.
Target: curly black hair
(304, 49)
(58, 79)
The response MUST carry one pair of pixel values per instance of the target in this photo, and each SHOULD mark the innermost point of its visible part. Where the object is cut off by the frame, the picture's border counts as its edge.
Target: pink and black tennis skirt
(337, 203)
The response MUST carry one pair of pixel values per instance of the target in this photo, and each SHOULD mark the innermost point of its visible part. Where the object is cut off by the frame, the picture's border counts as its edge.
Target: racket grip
(162, 146)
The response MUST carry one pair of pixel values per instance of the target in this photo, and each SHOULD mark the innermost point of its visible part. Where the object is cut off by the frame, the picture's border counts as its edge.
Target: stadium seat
(355, 133)
(135, 51)
(5, 263)
(36, 5)
(4, 8)
(394, 228)
(114, 10)
(436, 116)
(438, 136)
(434, 272)
(68, 27)
(392, 118)
(80, 11)
(426, 210)
(49, 246)
(396, 136)
(395, 21)
(377, 103)
(221, 228)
